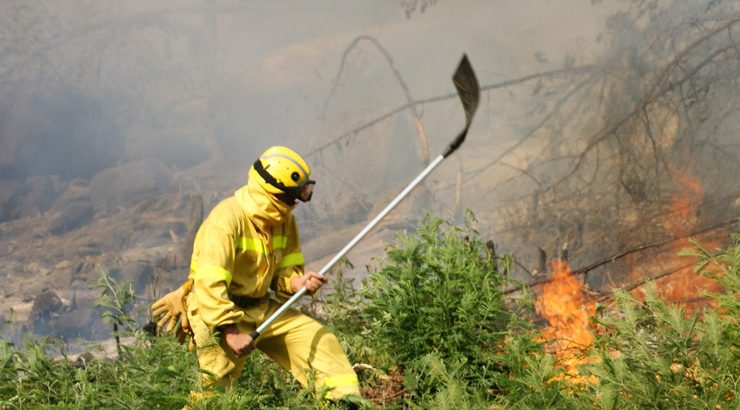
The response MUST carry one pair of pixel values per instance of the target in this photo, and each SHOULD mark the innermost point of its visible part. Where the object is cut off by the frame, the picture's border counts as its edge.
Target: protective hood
(262, 207)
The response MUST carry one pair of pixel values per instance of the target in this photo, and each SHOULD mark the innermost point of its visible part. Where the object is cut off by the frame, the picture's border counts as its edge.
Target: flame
(683, 207)
(684, 285)
(567, 309)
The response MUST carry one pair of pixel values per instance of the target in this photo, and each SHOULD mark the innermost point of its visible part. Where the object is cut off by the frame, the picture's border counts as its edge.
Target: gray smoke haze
(91, 85)
(245, 75)
(593, 113)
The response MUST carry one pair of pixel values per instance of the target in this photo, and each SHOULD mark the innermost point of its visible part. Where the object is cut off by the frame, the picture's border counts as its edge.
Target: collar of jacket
(262, 208)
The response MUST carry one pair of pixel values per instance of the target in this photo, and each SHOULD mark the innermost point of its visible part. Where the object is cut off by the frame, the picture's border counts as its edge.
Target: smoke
(589, 112)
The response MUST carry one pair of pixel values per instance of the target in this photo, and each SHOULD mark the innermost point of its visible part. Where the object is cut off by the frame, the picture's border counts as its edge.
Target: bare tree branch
(410, 103)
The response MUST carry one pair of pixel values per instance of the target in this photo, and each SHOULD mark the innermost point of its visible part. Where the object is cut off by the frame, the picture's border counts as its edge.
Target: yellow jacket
(248, 244)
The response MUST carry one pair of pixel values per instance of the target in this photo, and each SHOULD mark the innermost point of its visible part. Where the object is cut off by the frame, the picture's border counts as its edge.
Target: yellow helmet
(282, 172)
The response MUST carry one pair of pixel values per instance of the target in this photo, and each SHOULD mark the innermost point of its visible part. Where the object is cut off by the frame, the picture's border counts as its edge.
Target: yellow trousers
(300, 344)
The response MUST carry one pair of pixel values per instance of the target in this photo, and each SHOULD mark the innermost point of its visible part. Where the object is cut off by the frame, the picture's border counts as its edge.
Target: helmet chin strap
(287, 198)
(267, 177)
(290, 194)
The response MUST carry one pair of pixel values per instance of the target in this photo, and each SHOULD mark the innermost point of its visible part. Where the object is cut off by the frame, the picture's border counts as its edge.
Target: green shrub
(435, 303)
(438, 292)
(438, 332)
(656, 355)
(148, 371)
(153, 374)
(652, 354)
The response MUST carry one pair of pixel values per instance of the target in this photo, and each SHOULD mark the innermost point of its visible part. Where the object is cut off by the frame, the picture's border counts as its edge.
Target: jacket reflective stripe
(279, 242)
(342, 380)
(291, 259)
(256, 245)
(211, 272)
(250, 244)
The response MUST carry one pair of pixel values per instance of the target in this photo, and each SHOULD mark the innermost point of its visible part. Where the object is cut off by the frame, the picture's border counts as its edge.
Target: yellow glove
(171, 309)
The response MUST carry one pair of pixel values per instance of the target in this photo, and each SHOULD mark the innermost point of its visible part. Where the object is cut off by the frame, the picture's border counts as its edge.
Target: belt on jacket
(245, 302)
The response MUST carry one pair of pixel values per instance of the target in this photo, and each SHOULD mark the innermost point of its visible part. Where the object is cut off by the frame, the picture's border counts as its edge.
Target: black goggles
(302, 192)
(305, 190)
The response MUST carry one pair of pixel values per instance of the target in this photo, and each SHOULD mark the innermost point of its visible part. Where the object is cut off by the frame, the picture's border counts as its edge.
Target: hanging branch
(559, 104)
(659, 87)
(355, 131)
(410, 103)
(641, 282)
(640, 248)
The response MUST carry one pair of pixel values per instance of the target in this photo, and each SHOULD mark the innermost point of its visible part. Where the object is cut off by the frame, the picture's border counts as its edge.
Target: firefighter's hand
(171, 310)
(311, 280)
(241, 343)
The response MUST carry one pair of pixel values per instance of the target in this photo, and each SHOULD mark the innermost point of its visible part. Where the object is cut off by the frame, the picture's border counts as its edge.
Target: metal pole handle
(468, 90)
(351, 243)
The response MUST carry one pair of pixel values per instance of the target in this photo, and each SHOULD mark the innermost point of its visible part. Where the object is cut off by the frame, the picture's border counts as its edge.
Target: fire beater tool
(468, 90)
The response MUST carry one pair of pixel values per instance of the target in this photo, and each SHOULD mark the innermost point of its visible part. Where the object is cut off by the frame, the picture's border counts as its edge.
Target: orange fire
(683, 207)
(567, 309)
(684, 286)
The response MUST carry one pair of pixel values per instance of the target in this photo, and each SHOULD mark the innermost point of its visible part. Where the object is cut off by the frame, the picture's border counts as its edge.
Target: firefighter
(247, 246)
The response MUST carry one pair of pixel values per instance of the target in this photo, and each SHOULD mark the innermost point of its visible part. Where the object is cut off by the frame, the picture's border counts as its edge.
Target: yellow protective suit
(248, 244)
